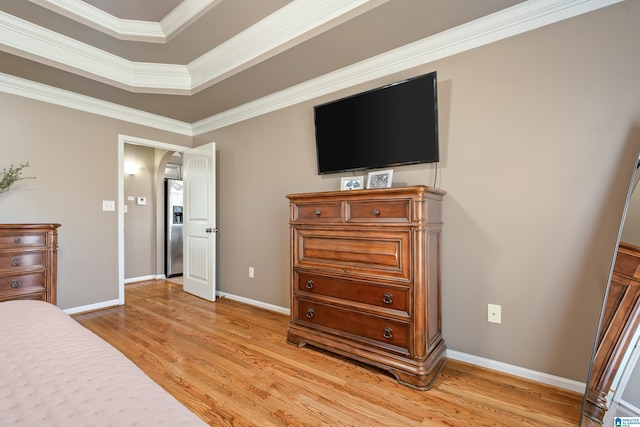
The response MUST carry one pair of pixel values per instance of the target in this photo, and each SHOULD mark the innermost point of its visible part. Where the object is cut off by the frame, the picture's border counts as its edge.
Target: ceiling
(189, 60)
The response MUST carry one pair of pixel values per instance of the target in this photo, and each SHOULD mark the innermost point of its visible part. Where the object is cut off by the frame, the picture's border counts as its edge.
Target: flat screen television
(396, 124)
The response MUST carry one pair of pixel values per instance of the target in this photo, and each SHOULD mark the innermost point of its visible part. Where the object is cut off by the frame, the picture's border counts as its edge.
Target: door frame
(132, 140)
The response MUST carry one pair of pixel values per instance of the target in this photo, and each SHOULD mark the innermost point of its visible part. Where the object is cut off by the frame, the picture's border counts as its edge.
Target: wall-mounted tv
(392, 125)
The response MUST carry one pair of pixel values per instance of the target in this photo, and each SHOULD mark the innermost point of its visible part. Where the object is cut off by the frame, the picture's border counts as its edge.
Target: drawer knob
(310, 313)
(15, 284)
(16, 262)
(316, 212)
(375, 212)
(387, 298)
(388, 333)
(17, 240)
(309, 284)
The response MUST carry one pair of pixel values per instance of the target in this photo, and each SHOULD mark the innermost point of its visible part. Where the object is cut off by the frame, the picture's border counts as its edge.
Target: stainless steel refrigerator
(173, 220)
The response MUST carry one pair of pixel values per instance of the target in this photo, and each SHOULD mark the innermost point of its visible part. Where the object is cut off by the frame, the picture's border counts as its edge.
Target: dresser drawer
(21, 260)
(372, 211)
(317, 212)
(16, 240)
(388, 333)
(26, 282)
(38, 296)
(392, 297)
(383, 254)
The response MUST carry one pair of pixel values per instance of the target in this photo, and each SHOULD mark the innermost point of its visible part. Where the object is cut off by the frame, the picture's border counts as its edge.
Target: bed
(55, 372)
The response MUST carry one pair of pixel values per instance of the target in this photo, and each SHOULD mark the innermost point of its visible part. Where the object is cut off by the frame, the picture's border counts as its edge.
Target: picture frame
(352, 183)
(380, 179)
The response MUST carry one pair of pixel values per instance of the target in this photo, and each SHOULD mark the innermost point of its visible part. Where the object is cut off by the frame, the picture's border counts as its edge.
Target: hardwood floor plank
(229, 363)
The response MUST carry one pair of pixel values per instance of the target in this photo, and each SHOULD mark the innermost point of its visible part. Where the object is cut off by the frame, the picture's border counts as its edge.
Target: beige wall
(140, 220)
(74, 158)
(537, 133)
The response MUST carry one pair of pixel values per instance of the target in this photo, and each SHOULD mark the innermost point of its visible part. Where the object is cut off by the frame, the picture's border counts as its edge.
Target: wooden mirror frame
(619, 318)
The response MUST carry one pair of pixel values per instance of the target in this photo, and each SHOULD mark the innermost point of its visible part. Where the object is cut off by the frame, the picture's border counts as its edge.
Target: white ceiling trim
(40, 92)
(296, 22)
(510, 22)
(126, 29)
(293, 24)
(39, 44)
(500, 25)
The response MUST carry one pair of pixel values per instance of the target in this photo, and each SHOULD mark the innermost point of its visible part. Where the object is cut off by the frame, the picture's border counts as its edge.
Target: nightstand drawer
(391, 334)
(391, 297)
(387, 211)
(21, 260)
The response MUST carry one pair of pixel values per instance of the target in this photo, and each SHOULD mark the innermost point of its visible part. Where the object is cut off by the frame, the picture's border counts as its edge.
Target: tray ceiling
(193, 59)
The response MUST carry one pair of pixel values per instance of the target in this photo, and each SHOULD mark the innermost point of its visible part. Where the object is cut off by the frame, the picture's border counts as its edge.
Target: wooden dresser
(365, 278)
(28, 258)
(620, 319)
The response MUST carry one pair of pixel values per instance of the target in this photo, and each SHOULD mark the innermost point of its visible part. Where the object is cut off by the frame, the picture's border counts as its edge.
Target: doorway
(129, 140)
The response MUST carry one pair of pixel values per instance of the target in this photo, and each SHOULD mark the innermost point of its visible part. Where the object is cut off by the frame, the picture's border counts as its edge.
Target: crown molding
(500, 25)
(126, 29)
(293, 24)
(51, 95)
(184, 15)
(30, 41)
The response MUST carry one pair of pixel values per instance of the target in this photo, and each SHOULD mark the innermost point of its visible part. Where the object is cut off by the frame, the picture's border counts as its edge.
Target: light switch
(141, 201)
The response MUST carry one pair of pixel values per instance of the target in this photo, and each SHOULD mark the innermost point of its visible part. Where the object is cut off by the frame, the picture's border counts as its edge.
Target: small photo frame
(352, 183)
(380, 179)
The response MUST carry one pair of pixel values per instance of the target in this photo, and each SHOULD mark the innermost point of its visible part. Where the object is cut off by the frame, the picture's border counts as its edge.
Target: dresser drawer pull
(309, 284)
(17, 240)
(310, 313)
(388, 333)
(15, 284)
(316, 212)
(375, 212)
(387, 298)
(16, 262)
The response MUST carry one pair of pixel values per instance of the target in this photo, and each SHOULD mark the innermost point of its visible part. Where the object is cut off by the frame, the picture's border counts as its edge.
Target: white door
(199, 229)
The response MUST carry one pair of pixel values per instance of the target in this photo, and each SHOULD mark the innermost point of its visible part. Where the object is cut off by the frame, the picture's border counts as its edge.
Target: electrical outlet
(108, 205)
(494, 313)
(251, 272)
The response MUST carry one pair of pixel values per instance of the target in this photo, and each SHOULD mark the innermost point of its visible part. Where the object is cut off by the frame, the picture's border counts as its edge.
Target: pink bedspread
(55, 372)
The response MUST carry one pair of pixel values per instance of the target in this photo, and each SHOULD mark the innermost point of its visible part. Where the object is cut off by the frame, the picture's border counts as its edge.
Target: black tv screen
(392, 125)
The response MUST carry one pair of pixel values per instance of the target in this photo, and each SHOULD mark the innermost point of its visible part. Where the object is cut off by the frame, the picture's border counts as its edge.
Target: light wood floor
(229, 363)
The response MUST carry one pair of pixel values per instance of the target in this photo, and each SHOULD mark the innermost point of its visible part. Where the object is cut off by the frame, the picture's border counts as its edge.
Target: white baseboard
(254, 303)
(112, 303)
(518, 371)
(92, 307)
(144, 278)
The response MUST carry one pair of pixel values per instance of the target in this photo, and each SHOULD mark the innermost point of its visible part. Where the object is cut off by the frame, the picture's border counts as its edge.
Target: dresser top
(28, 226)
(374, 192)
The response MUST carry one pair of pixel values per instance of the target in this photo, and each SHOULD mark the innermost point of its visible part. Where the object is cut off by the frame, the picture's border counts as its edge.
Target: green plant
(11, 175)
